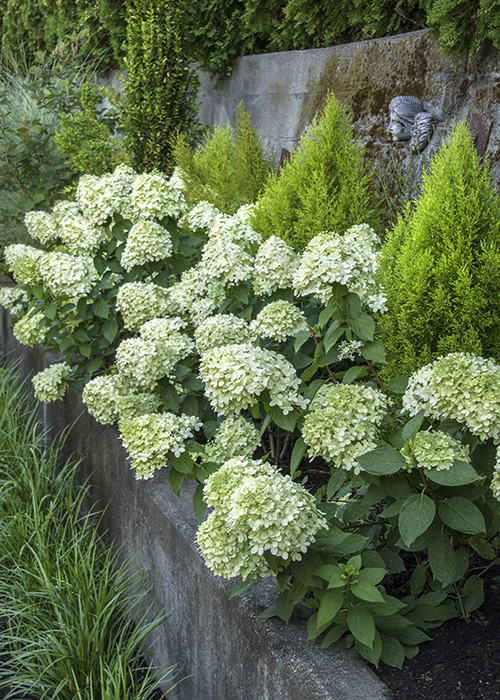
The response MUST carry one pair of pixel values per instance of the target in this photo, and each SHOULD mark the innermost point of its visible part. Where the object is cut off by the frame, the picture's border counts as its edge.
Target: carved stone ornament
(410, 121)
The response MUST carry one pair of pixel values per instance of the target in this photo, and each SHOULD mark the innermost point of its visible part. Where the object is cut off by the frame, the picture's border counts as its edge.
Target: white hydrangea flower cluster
(30, 330)
(226, 261)
(139, 302)
(460, 386)
(100, 395)
(80, 236)
(351, 260)
(343, 422)
(15, 299)
(24, 263)
(236, 437)
(233, 229)
(147, 241)
(62, 208)
(153, 197)
(50, 385)
(256, 510)
(172, 346)
(221, 329)
(236, 375)
(150, 438)
(495, 482)
(197, 295)
(274, 267)
(200, 217)
(435, 450)
(41, 226)
(244, 213)
(68, 275)
(278, 320)
(139, 363)
(348, 349)
(101, 197)
(108, 399)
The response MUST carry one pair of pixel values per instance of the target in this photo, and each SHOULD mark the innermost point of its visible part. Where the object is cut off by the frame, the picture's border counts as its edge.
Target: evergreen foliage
(441, 264)
(86, 137)
(323, 187)
(229, 169)
(161, 88)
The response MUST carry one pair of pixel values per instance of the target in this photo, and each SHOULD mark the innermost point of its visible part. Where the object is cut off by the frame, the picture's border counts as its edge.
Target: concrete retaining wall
(226, 652)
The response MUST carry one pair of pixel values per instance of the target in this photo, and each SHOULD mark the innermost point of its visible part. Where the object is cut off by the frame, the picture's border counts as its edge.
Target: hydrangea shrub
(236, 361)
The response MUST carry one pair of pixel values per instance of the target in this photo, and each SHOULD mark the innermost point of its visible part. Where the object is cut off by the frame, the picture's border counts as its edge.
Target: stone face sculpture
(409, 121)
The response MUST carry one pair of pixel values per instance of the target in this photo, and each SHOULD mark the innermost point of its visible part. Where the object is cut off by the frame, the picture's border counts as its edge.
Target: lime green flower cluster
(149, 439)
(221, 329)
(29, 330)
(236, 375)
(343, 423)
(434, 450)
(24, 263)
(278, 320)
(256, 510)
(147, 241)
(50, 384)
(67, 275)
(139, 302)
(274, 266)
(235, 437)
(460, 386)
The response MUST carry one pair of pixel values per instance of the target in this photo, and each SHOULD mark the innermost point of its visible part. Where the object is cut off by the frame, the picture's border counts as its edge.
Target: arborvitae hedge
(441, 264)
(161, 89)
(323, 187)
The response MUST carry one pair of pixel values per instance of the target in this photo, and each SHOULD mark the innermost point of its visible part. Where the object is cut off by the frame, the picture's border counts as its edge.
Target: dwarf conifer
(441, 263)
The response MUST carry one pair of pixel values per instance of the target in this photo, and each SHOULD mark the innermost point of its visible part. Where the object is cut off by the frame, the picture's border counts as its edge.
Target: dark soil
(462, 662)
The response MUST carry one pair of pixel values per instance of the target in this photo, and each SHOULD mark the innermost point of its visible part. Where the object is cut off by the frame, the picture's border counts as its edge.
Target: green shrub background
(441, 264)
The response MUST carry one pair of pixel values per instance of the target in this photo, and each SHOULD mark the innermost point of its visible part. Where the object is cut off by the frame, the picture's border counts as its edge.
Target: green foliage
(441, 264)
(88, 138)
(229, 169)
(32, 171)
(160, 89)
(323, 187)
(68, 603)
(38, 25)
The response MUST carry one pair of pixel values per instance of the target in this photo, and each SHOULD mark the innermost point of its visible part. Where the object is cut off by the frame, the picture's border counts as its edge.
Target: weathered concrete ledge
(226, 652)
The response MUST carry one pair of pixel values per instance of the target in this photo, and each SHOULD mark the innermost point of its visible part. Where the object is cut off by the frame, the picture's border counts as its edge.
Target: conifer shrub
(229, 169)
(161, 89)
(323, 187)
(441, 264)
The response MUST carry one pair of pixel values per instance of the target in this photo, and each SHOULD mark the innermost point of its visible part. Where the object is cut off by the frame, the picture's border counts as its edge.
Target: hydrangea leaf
(415, 517)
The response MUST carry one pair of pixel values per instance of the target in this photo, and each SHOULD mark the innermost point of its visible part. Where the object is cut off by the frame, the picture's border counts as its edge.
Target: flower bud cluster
(256, 510)
(101, 197)
(343, 423)
(351, 260)
(50, 385)
(236, 375)
(348, 349)
(150, 438)
(435, 450)
(278, 320)
(460, 386)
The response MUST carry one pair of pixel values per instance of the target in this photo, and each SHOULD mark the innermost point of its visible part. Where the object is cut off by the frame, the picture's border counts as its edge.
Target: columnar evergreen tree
(441, 264)
(161, 89)
(323, 187)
